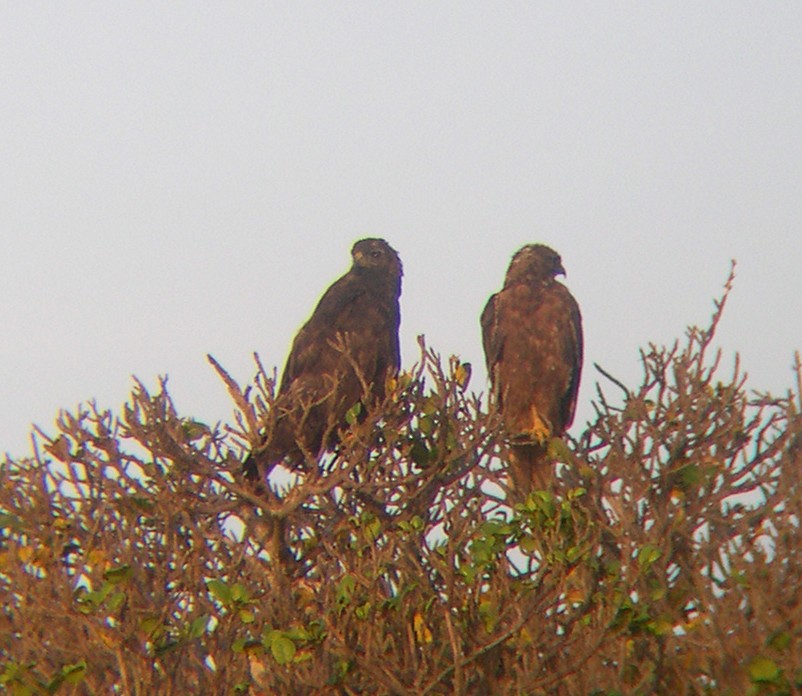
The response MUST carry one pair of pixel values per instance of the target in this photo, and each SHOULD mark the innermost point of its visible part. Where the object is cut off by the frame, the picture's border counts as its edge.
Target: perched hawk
(532, 335)
(342, 356)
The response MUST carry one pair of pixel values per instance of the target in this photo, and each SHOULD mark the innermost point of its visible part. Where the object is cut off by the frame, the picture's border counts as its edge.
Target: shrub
(665, 558)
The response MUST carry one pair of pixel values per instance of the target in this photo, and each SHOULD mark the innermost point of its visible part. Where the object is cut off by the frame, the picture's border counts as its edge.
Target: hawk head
(534, 263)
(376, 256)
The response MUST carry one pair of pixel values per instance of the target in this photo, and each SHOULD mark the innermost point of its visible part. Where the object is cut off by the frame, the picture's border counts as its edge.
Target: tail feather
(530, 468)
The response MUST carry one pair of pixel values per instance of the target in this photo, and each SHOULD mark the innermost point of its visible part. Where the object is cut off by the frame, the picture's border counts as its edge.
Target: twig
(618, 383)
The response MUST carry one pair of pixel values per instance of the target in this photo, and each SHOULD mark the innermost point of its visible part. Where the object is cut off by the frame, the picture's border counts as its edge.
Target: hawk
(532, 336)
(341, 357)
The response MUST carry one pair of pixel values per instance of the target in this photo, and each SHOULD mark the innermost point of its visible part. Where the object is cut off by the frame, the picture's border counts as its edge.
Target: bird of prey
(532, 336)
(341, 357)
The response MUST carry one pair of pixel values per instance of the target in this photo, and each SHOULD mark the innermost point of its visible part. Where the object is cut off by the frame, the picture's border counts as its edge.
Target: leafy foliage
(665, 558)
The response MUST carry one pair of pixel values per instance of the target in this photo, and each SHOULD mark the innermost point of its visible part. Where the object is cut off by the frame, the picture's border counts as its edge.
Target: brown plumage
(340, 357)
(532, 335)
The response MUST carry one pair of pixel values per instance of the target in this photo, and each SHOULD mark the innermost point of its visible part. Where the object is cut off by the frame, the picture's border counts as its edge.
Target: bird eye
(375, 254)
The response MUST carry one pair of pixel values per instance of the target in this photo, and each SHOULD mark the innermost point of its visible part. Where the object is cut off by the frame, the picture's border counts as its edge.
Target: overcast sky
(182, 178)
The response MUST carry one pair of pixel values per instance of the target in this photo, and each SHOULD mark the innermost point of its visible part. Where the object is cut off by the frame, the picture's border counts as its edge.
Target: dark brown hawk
(341, 357)
(532, 335)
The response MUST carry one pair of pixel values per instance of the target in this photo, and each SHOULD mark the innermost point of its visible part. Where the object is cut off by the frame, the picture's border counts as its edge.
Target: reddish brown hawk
(532, 335)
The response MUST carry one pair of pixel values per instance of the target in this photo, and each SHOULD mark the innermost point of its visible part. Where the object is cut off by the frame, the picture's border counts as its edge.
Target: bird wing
(491, 339)
(573, 355)
(311, 344)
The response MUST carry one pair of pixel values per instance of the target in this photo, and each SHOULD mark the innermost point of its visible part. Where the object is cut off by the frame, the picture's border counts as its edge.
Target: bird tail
(530, 469)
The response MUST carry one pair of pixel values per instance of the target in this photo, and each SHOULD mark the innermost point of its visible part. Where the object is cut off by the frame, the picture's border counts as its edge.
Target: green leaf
(574, 553)
(282, 649)
(660, 626)
(219, 590)
(488, 611)
(496, 528)
(540, 501)
(246, 644)
(352, 416)
(115, 600)
(763, 670)
(779, 640)
(345, 589)
(89, 601)
(469, 573)
(239, 593)
(16, 676)
(198, 627)
(150, 625)
(71, 674)
(647, 555)
(298, 634)
(74, 673)
(415, 524)
(119, 574)
(372, 529)
(578, 492)
(426, 425)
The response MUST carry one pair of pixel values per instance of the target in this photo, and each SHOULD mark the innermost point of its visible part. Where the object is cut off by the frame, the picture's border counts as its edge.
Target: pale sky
(183, 178)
